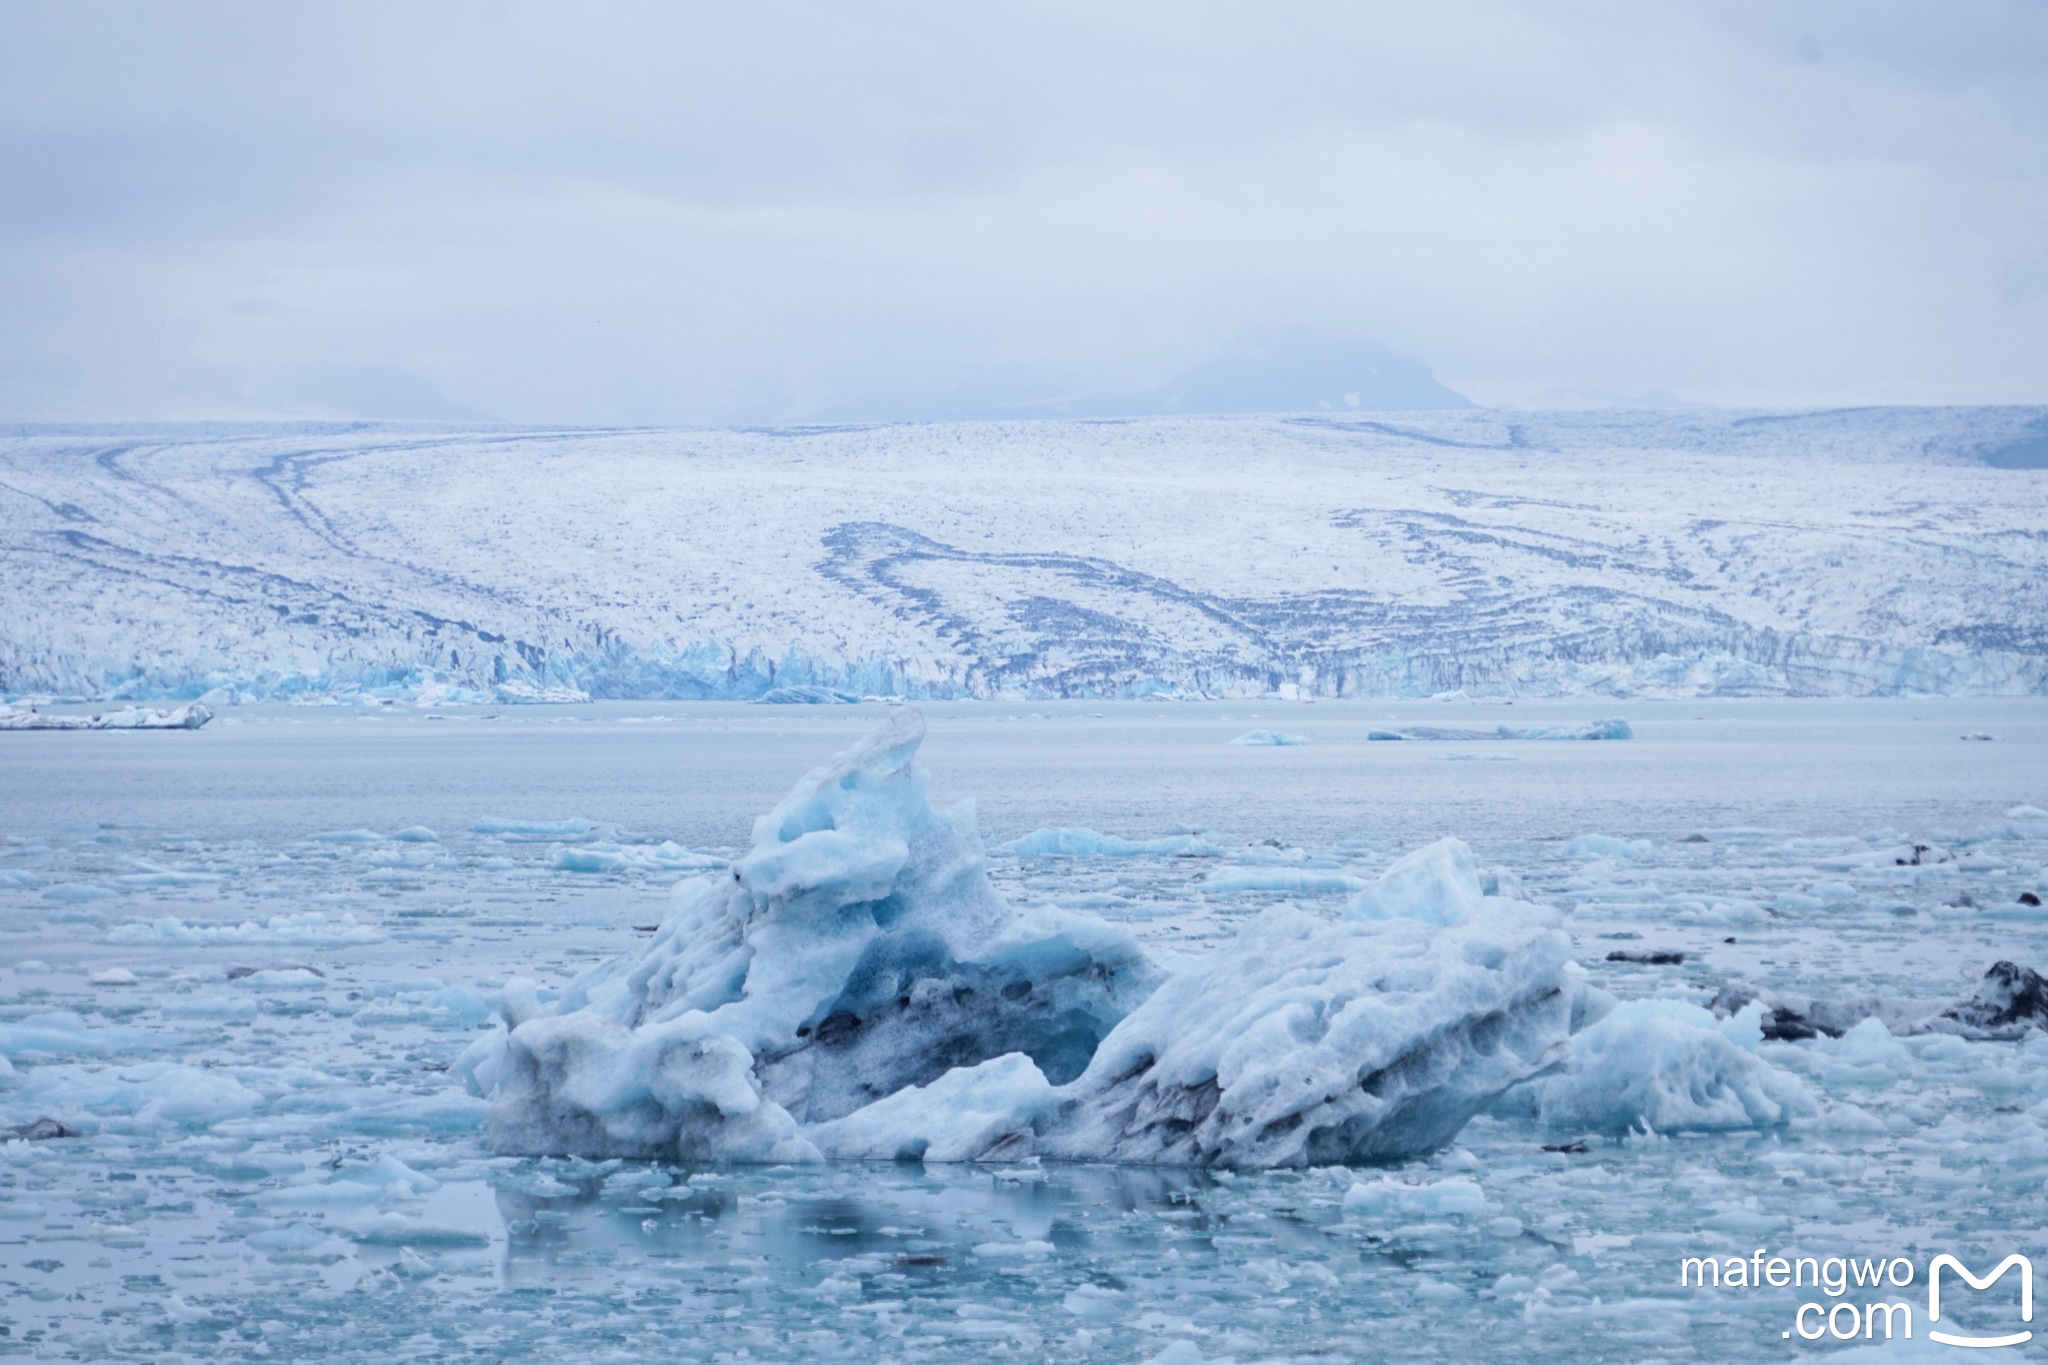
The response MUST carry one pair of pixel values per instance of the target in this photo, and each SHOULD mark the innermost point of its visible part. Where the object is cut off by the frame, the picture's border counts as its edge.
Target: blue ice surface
(1269, 738)
(306, 1183)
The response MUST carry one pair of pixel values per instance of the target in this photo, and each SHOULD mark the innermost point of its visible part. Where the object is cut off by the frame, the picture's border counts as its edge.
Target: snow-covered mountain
(1870, 550)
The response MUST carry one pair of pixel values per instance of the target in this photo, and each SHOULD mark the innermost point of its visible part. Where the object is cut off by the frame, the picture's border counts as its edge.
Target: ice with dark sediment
(856, 950)
(855, 986)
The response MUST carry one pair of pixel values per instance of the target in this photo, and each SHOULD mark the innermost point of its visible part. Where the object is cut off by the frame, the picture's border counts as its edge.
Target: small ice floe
(667, 856)
(1980, 736)
(533, 831)
(416, 834)
(62, 1033)
(308, 929)
(282, 977)
(513, 692)
(1439, 883)
(1300, 881)
(1672, 1067)
(806, 696)
(1597, 729)
(112, 976)
(1086, 843)
(187, 717)
(1388, 1199)
(73, 892)
(1269, 738)
(1587, 847)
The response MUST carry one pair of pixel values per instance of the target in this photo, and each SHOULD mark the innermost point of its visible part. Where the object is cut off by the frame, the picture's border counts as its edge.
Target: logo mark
(2026, 1269)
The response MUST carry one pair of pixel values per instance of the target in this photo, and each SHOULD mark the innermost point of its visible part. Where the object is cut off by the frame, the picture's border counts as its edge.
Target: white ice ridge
(190, 716)
(855, 986)
(1494, 553)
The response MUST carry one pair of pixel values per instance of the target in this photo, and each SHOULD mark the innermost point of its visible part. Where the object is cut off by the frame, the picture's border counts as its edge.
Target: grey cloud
(655, 212)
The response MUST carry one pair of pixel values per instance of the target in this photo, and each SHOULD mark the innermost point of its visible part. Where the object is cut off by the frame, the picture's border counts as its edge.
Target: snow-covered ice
(1462, 554)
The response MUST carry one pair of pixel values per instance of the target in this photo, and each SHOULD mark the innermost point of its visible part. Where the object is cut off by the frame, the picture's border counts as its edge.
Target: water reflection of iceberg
(855, 986)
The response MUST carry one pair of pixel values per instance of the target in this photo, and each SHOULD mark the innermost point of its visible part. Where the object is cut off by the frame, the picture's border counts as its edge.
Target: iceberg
(854, 987)
(187, 717)
(857, 949)
(1269, 737)
(1595, 729)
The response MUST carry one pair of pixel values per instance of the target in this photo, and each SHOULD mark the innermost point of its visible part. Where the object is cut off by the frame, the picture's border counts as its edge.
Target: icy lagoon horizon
(273, 1159)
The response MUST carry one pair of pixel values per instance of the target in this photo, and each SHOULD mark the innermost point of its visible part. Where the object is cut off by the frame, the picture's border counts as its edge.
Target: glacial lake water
(273, 1163)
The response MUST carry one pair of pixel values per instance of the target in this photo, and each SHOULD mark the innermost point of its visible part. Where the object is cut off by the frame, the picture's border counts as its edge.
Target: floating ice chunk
(528, 831)
(350, 836)
(73, 892)
(1388, 1198)
(513, 692)
(1590, 846)
(61, 1033)
(1308, 1042)
(1086, 843)
(10, 876)
(146, 1094)
(112, 976)
(1672, 1066)
(188, 717)
(278, 978)
(1301, 881)
(958, 1117)
(164, 876)
(210, 1007)
(1598, 729)
(2026, 813)
(667, 857)
(2008, 1002)
(1275, 738)
(417, 834)
(857, 949)
(309, 929)
(1438, 883)
(806, 696)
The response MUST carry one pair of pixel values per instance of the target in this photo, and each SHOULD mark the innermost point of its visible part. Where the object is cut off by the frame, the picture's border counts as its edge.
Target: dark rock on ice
(1649, 957)
(2008, 1002)
(42, 1130)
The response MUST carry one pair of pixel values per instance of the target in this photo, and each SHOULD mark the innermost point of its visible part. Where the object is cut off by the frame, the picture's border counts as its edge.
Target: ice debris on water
(855, 986)
(1274, 738)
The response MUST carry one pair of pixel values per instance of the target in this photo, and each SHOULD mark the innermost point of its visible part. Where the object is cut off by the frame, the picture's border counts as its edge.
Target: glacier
(1851, 552)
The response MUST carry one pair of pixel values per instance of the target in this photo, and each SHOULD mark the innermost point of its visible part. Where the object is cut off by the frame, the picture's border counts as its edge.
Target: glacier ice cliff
(1867, 551)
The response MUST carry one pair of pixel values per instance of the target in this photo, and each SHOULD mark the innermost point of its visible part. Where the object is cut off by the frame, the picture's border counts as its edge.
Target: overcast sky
(635, 213)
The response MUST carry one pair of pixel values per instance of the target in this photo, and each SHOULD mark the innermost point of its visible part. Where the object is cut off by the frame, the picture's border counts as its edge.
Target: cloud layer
(653, 212)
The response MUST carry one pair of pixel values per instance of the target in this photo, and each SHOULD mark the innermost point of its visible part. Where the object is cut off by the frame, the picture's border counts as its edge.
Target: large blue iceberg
(854, 986)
